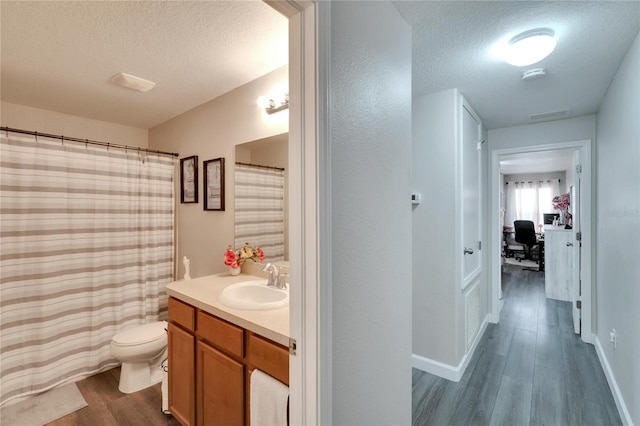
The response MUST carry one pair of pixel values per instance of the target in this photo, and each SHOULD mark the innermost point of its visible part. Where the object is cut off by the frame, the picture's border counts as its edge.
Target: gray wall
(618, 228)
(370, 139)
(435, 289)
(438, 301)
(569, 130)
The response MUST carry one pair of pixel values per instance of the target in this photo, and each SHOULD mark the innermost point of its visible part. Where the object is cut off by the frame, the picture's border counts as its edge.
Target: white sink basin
(254, 295)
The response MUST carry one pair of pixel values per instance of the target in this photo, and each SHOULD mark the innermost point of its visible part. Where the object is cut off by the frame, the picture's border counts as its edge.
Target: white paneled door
(471, 194)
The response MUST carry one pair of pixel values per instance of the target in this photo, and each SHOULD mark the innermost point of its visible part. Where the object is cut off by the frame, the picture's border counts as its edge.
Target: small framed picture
(189, 179)
(214, 184)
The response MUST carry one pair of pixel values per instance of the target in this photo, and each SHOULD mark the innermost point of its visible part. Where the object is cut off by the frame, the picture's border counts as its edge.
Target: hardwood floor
(110, 407)
(528, 369)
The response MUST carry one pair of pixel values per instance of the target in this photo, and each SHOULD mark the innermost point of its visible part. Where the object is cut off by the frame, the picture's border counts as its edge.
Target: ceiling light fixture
(274, 104)
(530, 47)
(132, 82)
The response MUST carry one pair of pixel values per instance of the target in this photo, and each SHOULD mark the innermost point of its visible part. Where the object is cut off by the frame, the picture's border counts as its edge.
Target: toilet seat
(142, 334)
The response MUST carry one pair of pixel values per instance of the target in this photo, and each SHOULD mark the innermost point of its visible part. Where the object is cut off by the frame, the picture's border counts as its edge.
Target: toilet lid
(140, 334)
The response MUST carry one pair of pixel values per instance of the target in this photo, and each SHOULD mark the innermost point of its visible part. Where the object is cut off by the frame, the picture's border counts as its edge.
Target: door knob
(569, 244)
(468, 250)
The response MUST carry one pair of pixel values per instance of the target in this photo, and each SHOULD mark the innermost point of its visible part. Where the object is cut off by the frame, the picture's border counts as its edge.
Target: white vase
(234, 271)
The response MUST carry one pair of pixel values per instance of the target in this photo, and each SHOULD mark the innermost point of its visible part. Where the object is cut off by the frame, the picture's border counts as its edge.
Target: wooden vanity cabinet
(220, 388)
(181, 341)
(222, 359)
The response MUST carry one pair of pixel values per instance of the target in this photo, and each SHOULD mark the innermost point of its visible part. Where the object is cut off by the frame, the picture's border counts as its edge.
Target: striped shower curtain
(259, 209)
(87, 250)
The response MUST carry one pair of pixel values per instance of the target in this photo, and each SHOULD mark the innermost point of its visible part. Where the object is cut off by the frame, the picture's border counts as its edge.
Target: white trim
(308, 387)
(447, 371)
(613, 384)
(495, 234)
(324, 209)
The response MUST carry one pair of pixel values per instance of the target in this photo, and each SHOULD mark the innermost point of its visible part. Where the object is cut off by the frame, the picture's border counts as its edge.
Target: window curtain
(259, 209)
(87, 250)
(529, 201)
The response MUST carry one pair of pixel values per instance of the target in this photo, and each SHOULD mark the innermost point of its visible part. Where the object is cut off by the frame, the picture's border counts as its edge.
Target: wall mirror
(260, 192)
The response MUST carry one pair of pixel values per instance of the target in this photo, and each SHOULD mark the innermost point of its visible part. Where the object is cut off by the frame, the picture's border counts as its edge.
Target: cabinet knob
(468, 250)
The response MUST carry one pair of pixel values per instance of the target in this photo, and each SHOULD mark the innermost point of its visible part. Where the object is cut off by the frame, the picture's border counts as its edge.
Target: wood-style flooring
(530, 369)
(110, 407)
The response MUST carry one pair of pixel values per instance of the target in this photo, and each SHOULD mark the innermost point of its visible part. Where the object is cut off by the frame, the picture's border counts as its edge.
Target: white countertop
(203, 293)
(548, 228)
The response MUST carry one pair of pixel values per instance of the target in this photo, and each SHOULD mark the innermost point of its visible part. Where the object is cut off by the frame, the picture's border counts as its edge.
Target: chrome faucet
(273, 272)
(281, 280)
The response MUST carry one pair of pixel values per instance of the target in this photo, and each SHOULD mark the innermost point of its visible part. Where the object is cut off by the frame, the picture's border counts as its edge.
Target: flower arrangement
(235, 258)
(561, 202)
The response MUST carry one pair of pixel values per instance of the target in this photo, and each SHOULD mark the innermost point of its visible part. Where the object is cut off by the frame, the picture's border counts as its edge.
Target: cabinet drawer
(221, 333)
(269, 357)
(181, 313)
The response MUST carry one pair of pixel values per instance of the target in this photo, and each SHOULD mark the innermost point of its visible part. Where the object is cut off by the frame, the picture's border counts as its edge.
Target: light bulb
(264, 102)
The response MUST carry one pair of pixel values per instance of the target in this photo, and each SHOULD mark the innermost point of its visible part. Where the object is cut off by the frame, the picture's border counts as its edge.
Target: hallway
(528, 369)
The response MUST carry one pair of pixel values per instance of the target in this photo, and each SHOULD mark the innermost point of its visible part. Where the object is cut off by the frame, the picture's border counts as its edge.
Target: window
(529, 201)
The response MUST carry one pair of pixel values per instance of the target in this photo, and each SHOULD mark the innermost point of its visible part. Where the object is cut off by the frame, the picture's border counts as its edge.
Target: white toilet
(141, 350)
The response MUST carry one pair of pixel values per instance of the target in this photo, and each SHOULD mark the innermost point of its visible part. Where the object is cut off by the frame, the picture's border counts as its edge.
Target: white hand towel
(268, 400)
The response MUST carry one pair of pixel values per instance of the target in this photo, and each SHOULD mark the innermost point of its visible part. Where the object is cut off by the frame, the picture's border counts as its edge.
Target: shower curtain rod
(86, 141)
(260, 166)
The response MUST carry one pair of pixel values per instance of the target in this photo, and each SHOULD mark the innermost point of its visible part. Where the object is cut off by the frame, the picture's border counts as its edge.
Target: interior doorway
(581, 275)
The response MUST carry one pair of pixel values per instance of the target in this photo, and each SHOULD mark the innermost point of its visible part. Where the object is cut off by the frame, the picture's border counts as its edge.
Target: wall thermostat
(416, 198)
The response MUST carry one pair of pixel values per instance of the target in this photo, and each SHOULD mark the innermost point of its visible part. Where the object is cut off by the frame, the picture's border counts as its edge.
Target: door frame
(586, 207)
(309, 209)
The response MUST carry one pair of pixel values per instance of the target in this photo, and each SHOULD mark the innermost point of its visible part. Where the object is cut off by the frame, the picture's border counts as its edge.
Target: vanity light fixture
(530, 47)
(274, 104)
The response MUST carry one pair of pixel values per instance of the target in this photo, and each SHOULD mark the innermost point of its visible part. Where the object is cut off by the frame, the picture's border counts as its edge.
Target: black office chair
(526, 235)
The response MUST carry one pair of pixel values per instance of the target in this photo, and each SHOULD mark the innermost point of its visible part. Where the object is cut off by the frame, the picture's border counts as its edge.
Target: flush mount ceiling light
(132, 82)
(530, 47)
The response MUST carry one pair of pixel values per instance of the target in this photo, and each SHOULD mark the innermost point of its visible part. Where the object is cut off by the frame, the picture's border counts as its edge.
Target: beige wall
(210, 131)
(45, 121)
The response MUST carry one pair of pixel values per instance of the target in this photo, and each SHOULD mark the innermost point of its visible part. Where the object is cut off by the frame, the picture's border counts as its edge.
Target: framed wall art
(214, 184)
(189, 179)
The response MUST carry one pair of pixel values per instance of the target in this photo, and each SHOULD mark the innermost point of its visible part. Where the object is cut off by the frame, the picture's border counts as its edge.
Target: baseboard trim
(613, 384)
(446, 371)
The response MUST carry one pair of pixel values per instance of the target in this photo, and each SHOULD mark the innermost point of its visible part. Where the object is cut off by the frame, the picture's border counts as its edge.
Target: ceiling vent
(548, 116)
(534, 74)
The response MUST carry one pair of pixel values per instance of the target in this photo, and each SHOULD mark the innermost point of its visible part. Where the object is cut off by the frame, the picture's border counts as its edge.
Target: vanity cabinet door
(181, 375)
(220, 388)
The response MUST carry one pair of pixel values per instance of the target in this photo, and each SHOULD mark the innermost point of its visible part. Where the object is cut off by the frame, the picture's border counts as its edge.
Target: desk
(558, 262)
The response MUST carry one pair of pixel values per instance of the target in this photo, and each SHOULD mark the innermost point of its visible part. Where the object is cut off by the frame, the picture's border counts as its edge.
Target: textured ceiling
(61, 55)
(454, 46)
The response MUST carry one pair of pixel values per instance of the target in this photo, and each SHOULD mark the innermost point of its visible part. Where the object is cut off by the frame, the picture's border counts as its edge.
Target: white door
(577, 245)
(471, 194)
